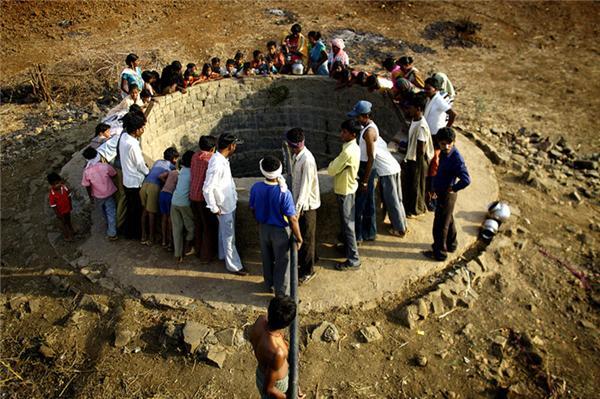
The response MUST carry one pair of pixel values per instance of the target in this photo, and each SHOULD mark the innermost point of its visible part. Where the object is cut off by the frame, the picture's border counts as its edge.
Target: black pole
(292, 392)
(293, 356)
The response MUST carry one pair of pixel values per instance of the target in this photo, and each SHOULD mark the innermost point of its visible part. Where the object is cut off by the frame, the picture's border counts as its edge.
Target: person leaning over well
(221, 198)
(305, 189)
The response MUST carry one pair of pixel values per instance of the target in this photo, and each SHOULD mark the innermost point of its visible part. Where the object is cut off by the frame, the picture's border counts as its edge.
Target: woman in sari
(337, 53)
(132, 75)
(318, 54)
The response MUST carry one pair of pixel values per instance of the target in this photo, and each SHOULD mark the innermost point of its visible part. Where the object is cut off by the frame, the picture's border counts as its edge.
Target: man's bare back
(271, 349)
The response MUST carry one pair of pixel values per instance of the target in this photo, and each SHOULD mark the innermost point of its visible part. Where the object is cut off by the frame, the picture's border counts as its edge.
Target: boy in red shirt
(59, 198)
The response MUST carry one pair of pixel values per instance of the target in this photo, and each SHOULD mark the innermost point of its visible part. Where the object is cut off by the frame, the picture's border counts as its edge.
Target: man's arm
(277, 363)
(138, 160)
(451, 117)
(369, 137)
(296, 230)
(338, 164)
(305, 173)
(210, 184)
(463, 176)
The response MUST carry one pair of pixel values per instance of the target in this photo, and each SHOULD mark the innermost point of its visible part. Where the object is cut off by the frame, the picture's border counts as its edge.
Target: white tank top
(385, 164)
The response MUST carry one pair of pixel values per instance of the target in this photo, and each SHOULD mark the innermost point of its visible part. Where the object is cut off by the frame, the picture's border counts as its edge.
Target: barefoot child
(59, 198)
(97, 179)
(164, 203)
(267, 337)
(182, 218)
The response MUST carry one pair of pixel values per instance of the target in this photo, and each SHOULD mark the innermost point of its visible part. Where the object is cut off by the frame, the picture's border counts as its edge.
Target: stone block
(409, 315)
(437, 305)
(194, 334)
(422, 308)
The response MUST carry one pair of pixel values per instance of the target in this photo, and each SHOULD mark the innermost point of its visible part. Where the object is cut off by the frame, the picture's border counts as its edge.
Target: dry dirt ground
(532, 332)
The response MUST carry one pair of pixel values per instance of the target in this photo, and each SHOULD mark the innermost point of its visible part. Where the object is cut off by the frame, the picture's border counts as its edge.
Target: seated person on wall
(268, 68)
(215, 64)
(132, 75)
(337, 53)
(171, 79)
(122, 108)
(276, 55)
(208, 74)
(318, 54)
(191, 75)
(239, 60)
(296, 48)
(394, 69)
(230, 71)
(409, 72)
(151, 82)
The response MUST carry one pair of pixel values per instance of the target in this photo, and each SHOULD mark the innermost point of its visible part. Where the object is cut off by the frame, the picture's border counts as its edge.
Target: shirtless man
(271, 349)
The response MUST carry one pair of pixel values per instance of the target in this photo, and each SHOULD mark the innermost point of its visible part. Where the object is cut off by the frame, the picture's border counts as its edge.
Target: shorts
(149, 196)
(164, 201)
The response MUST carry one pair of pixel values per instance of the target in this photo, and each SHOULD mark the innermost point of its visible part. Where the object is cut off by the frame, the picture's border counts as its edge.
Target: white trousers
(227, 249)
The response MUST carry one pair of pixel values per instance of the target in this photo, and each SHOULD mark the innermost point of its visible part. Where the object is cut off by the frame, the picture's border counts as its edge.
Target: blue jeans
(108, 207)
(366, 221)
(392, 198)
(347, 212)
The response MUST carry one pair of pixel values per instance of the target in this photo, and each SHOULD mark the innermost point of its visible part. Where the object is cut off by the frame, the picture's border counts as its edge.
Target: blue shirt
(452, 168)
(270, 205)
(181, 195)
(158, 169)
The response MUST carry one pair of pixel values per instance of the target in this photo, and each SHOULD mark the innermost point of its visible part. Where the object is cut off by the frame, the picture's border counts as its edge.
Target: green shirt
(344, 169)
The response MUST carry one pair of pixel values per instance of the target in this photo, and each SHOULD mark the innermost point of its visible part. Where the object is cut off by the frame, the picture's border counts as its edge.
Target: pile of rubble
(541, 162)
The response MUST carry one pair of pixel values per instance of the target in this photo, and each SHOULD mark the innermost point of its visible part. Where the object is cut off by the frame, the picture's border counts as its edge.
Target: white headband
(274, 175)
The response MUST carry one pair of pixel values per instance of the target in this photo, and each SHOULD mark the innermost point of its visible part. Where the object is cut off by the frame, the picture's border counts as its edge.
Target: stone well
(260, 110)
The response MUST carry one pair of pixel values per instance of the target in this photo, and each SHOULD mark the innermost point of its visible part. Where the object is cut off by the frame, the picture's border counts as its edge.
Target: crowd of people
(192, 196)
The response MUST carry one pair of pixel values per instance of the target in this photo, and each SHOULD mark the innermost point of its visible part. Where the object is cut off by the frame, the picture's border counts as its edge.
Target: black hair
(405, 60)
(445, 134)
(53, 177)
(147, 75)
(282, 311)
(295, 135)
(130, 59)
(170, 154)
(214, 60)
(133, 86)
(296, 28)
(207, 143)
(89, 153)
(205, 68)
(145, 93)
(316, 35)
(230, 62)
(371, 81)
(186, 159)
(352, 126)
(361, 78)
(225, 140)
(133, 121)
(345, 76)
(417, 100)
(268, 59)
(433, 82)
(101, 127)
(256, 53)
(176, 65)
(190, 65)
(270, 163)
(271, 43)
(136, 108)
(388, 63)
(238, 55)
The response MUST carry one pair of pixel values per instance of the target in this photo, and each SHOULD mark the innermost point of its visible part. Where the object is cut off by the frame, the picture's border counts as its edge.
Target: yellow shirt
(344, 169)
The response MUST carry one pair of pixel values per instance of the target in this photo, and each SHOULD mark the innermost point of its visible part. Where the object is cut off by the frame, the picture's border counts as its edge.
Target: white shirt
(384, 163)
(305, 182)
(108, 149)
(132, 161)
(219, 187)
(435, 112)
(419, 131)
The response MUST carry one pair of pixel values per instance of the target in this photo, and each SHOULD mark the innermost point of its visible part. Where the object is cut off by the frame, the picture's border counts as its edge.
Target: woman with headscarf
(337, 53)
(410, 73)
(132, 75)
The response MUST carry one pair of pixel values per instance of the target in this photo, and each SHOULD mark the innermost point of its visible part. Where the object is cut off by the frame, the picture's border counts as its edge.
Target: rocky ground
(516, 319)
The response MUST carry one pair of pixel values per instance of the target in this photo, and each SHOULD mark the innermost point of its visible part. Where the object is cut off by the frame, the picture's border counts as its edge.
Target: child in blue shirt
(273, 207)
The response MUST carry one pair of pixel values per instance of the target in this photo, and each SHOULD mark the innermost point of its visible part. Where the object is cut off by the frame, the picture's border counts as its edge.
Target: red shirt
(198, 174)
(60, 200)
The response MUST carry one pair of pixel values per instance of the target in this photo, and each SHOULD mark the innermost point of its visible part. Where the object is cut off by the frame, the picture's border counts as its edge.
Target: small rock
(33, 305)
(422, 308)
(194, 334)
(498, 344)
(370, 334)
(84, 117)
(520, 244)
(227, 336)
(409, 316)
(326, 332)
(355, 345)
(46, 352)
(437, 305)
(214, 354)
(122, 336)
(575, 196)
(15, 303)
(421, 360)
(584, 164)
(587, 324)
(467, 330)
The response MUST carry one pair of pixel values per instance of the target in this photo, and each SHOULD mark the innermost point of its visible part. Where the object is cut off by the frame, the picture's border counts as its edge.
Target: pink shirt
(98, 176)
